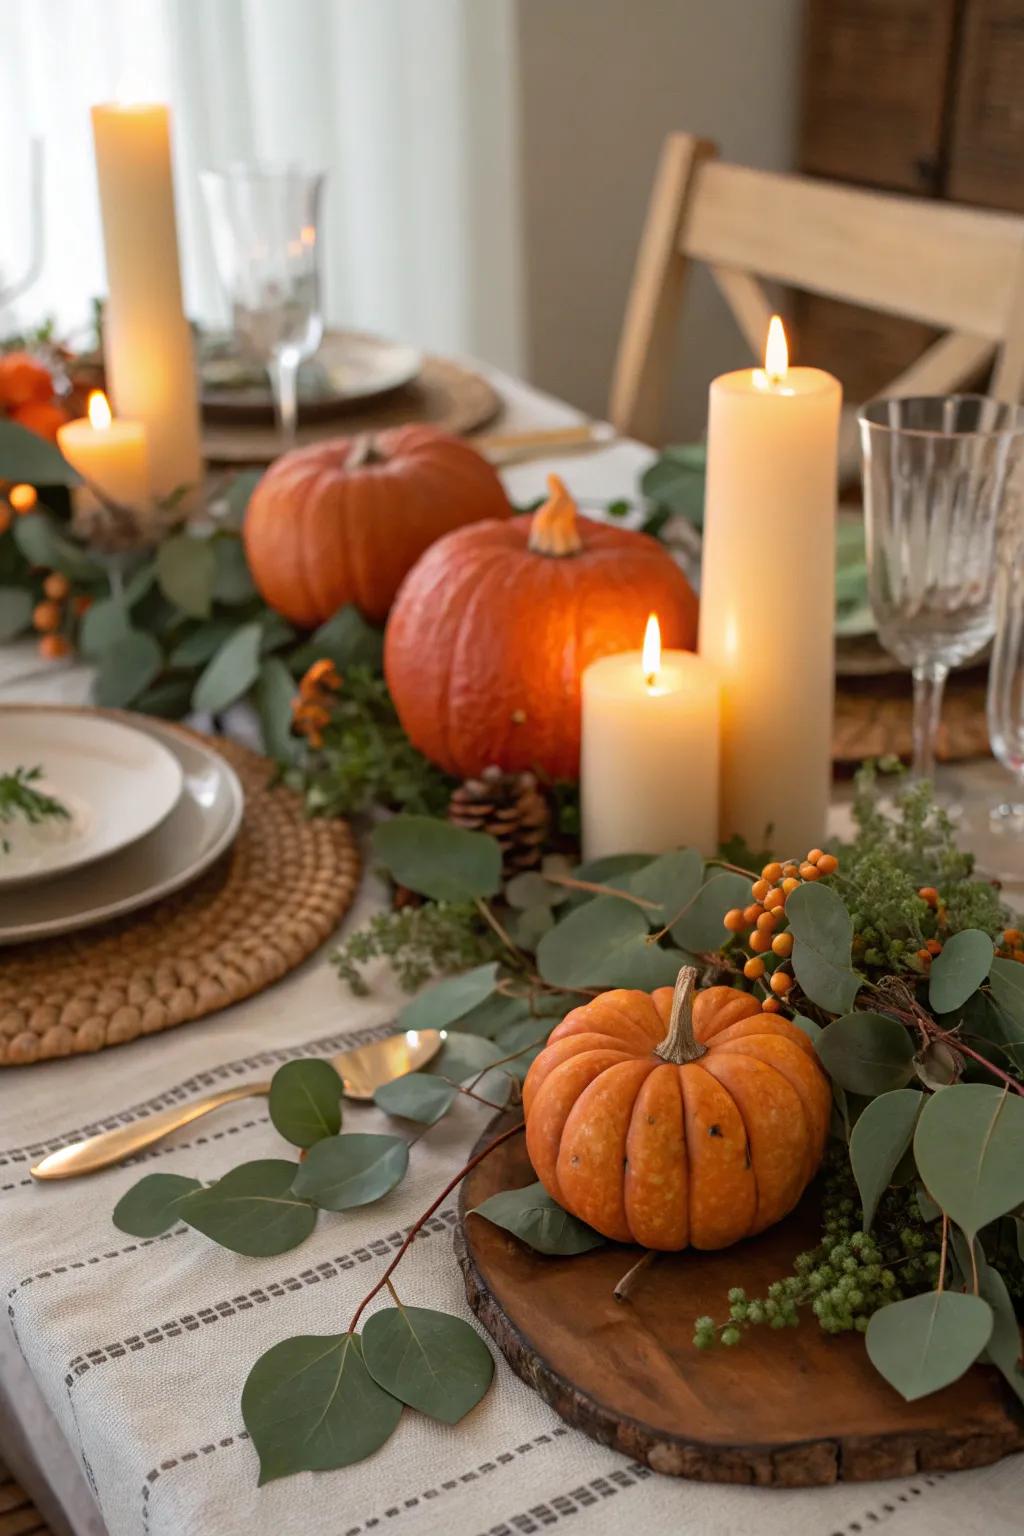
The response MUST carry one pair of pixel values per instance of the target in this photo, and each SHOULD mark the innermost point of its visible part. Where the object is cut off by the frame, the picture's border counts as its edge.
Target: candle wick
(651, 679)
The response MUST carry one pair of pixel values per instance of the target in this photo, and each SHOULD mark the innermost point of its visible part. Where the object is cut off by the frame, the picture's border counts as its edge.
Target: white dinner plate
(198, 830)
(115, 782)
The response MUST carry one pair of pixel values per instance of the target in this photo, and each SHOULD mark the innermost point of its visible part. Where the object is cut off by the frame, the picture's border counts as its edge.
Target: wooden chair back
(956, 268)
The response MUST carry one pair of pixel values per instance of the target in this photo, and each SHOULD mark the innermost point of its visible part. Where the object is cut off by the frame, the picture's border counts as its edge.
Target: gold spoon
(362, 1071)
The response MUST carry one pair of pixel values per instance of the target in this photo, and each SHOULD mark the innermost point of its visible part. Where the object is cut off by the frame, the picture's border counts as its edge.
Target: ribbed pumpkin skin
(487, 639)
(319, 534)
(699, 1155)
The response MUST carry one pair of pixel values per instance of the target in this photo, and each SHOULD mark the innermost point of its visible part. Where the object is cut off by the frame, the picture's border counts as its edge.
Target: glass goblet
(936, 472)
(264, 225)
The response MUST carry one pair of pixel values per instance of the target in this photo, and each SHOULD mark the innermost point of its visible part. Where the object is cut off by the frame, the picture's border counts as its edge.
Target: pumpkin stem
(680, 1045)
(554, 530)
(364, 451)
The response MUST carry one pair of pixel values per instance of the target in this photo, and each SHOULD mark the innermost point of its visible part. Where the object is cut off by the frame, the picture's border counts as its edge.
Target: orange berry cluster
(27, 394)
(763, 918)
(48, 616)
(1012, 945)
(311, 707)
(931, 947)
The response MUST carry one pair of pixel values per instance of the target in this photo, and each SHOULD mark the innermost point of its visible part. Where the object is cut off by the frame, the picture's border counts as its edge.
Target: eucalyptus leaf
(416, 1096)
(126, 669)
(447, 1001)
(232, 582)
(926, 1206)
(105, 624)
(867, 1052)
(609, 869)
(231, 673)
(154, 1204)
(464, 1056)
(41, 542)
(878, 1141)
(532, 890)
(273, 700)
(1006, 979)
(494, 1015)
(186, 568)
(276, 632)
(675, 481)
(527, 928)
(591, 945)
(168, 698)
(196, 648)
(430, 1360)
(937, 1065)
(345, 1171)
(1004, 1345)
(671, 880)
(926, 1342)
(960, 969)
(969, 1146)
(237, 497)
(305, 1101)
(16, 605)
(437, 859)
(138, 583)
(311, 1405)
(701, 927)
(822, 932)
(346, 639)
(809, 1027)
(531, 1215)
(24, 455)
(252, 1210)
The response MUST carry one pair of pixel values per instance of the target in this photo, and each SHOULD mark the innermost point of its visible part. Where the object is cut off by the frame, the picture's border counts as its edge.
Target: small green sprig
(18, 797)
(366, 759)
(419, 942)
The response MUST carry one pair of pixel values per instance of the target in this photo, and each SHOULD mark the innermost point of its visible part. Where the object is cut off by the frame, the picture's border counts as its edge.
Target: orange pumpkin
(343, 521)
(491, 632)
(672, 1120)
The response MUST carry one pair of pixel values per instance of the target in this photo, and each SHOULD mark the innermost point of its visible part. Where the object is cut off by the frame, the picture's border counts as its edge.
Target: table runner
(139, 1349)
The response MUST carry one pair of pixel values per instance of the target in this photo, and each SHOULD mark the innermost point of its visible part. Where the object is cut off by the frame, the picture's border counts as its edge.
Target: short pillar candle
(649, 758)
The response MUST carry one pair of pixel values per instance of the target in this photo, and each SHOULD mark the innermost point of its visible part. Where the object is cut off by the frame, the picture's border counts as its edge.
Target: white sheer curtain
(408, 104)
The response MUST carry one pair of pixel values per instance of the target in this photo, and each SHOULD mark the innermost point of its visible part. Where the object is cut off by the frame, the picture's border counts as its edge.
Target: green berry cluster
(849, 1275)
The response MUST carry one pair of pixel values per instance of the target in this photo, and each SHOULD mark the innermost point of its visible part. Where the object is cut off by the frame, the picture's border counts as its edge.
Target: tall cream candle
(767, 608)
(649, 752)
(147, 342)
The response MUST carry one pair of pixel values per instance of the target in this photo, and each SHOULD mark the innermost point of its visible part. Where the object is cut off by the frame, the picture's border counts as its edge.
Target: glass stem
(284, 376)
(929, 683)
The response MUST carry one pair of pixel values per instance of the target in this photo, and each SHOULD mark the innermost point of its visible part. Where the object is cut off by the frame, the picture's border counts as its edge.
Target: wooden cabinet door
(875, 81)
(987, 152)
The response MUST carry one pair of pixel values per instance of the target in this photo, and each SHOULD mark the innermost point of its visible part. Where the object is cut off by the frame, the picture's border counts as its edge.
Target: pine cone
(512, 808)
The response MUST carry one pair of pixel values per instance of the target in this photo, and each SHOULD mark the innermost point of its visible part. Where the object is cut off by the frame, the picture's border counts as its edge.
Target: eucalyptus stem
(422, 1220)
(595, 888)
(942, 1253)
(487, 914)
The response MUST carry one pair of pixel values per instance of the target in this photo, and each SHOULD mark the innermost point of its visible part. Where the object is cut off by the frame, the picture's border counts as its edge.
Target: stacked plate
(147, 811)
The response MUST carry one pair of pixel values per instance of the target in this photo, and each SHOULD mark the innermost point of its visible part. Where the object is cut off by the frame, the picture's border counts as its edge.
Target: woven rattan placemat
(874, 717)
(276, 895)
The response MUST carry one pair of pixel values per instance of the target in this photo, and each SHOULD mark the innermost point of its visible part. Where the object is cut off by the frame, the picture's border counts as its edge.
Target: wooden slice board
(790, 1408)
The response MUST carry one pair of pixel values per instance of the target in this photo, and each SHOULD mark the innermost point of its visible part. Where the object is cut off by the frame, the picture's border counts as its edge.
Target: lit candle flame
(651, 655)
(776, 352)
(99, 410)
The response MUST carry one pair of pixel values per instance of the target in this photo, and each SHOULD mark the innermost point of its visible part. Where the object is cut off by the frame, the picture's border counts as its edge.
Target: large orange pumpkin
(343, 521)
(491, 631)
(668, 1120)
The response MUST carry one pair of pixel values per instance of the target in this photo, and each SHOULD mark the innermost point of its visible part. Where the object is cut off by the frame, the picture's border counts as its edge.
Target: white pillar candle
(146, 338)
(113, 456)
(767, 608)
(649, 755)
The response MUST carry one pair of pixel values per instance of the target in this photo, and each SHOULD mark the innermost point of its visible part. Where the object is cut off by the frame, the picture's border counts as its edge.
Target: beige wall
(600, 83)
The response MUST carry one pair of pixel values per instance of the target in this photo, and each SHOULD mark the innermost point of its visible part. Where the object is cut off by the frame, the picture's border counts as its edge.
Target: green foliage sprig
(20, 799)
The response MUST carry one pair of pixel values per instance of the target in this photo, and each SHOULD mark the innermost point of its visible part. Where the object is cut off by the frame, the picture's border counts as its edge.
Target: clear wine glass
(264, 221)
(936, 472)
(995, 831)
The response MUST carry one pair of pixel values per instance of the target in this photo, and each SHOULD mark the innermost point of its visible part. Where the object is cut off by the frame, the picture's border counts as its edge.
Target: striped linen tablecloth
(122, 1361)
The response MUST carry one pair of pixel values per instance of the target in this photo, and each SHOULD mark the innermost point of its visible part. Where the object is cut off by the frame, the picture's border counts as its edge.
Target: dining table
(122, 1360)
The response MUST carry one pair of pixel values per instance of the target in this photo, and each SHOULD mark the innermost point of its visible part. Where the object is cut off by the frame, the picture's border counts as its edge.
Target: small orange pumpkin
(672, 1120)
(343, 521)
(491, 632)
